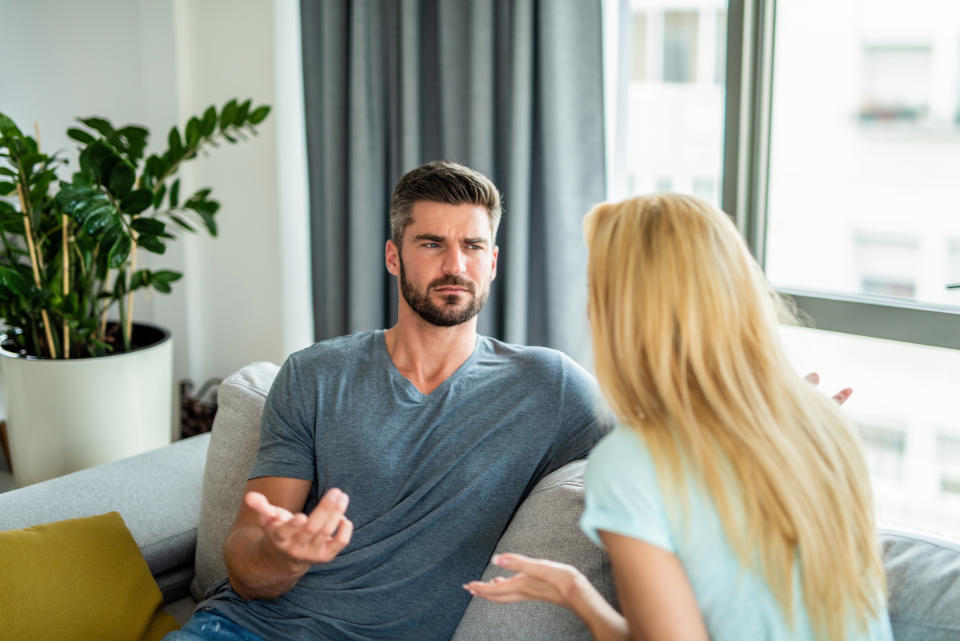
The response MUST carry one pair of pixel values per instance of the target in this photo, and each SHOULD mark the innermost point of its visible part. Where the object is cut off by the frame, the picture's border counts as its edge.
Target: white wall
(245, 295)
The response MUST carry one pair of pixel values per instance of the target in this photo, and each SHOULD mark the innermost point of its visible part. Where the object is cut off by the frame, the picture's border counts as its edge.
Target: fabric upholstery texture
(139, 488)
(78, 579)
(545, 526)
(233, 445)
(923, 581)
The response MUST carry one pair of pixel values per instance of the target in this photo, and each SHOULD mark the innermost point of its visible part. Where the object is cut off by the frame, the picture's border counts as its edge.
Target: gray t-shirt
(433, 479)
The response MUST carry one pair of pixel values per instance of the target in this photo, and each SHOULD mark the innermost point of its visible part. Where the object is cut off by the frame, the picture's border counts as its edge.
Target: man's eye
(474, 246)
(431, 245)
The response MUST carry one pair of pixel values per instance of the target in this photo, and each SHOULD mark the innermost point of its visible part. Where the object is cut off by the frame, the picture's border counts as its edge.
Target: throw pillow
(78, 579)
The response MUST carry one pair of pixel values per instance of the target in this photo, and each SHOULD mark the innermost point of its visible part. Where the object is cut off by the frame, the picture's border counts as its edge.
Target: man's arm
(273, 543)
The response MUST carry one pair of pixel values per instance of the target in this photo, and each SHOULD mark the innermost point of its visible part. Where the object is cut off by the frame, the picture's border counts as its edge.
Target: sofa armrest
(157, 494)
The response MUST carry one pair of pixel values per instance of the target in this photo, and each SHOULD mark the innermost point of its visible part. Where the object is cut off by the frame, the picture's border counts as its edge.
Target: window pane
(864, 195)
(904, 406)
(673, 138)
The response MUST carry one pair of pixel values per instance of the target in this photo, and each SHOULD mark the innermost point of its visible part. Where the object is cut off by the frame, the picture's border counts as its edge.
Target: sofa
(179, 502)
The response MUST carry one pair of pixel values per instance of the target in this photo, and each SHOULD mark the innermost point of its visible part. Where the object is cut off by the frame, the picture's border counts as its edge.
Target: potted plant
(83, 384)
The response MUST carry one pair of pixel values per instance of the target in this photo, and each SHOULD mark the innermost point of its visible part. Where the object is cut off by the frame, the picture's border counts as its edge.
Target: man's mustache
(452, 280)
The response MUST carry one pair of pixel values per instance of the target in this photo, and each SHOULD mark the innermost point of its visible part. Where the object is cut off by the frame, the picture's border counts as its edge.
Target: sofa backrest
(234, 440)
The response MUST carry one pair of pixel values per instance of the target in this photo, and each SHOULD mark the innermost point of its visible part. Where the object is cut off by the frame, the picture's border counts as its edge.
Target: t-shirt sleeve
(584, 419)
(287, 428)
(622, 493)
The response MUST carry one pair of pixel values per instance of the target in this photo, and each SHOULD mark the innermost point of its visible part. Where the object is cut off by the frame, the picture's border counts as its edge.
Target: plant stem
(66, 283)
(34, 259)
(128, 326)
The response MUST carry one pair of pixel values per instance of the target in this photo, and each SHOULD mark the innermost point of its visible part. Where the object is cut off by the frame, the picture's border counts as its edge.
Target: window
(666, 132)
(841, 147)
(680, 46)
(835, 144)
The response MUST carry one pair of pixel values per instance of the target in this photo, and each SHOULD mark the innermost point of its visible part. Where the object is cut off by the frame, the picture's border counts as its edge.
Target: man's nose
(454, 261)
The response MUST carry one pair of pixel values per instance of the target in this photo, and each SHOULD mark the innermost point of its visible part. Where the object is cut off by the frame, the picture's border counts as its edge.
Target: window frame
(751, 26)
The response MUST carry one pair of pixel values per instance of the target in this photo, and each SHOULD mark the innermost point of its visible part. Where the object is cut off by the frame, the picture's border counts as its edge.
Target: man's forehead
(466, 220)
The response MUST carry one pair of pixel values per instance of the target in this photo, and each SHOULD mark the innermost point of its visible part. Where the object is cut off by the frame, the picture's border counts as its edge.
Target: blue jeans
(209, 625)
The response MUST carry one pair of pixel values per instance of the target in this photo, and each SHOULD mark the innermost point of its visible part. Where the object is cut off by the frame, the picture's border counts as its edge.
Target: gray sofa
(179, 502)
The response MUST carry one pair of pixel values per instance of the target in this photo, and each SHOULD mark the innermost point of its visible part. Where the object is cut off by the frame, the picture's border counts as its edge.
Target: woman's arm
(654, 592)
(652, 587)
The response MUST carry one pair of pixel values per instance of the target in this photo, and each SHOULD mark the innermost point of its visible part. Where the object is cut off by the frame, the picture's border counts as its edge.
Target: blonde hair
(687, 353)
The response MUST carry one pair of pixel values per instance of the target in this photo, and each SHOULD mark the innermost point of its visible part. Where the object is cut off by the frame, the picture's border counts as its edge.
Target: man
(391, 461)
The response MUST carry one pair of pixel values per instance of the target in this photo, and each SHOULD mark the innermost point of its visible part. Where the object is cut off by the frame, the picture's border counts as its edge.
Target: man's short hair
(442, 181)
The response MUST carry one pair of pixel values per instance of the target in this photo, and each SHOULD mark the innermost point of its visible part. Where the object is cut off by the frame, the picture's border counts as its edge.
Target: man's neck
(426, 354)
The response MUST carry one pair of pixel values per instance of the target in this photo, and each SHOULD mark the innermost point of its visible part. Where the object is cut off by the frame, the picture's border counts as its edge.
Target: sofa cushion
(157, 493)
(546, 525)
(233, 445)
(78, 579)
(923, 580)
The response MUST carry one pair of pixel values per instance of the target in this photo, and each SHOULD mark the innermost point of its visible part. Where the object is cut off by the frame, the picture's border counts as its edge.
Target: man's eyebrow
(479, 240)
(432, 237)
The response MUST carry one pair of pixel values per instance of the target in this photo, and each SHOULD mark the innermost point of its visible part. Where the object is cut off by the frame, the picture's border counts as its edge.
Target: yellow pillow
(79, 579)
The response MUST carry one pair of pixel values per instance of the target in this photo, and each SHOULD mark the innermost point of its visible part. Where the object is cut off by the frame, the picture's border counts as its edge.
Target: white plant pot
(68, 415)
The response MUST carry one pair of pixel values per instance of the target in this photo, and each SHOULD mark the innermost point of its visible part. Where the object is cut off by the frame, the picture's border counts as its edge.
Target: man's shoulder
(533, 359)
(337, 353)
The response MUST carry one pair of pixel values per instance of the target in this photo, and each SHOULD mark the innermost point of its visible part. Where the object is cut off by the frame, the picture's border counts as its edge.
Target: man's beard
(443, 316)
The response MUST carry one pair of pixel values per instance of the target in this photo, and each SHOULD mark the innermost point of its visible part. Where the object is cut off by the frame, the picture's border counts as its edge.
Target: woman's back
(623, 496)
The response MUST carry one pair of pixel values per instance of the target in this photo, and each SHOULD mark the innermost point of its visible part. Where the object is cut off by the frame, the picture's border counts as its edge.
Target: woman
(733, 499)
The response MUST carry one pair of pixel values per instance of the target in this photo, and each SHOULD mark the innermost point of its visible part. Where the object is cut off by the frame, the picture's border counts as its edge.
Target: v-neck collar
(407, 386)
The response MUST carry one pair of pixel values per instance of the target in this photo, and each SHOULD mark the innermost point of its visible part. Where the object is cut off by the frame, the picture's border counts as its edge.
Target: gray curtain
(512, 88)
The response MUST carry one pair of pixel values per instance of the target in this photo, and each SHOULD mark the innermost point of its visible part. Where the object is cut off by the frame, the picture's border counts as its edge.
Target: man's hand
(300, 539)
(840, 397)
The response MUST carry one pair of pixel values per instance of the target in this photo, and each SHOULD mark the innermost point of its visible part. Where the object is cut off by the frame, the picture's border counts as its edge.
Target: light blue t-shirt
(623, 496)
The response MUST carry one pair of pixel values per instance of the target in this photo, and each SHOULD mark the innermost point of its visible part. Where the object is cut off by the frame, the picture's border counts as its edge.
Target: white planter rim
(164, 336)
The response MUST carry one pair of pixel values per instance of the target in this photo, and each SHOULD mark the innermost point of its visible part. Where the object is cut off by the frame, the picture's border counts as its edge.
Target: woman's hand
(535, 580)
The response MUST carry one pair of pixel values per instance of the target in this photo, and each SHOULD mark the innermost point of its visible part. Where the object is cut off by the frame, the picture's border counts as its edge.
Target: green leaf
(97, 219)
(6, 188)
(229, 114)
(151, 244)
(192, 133)
(140, 278)
(167, 276)
(155, 166)
(209, 122)
(6, 171)
(150, 226)
(176, 145)
(80, 135)
(242, 112)
(121, 179)
(136, 137)
(209, 222)
(175, 194)
(229, 137)
(158, 197)
(8, 127)
(119, 253)
(182, 223)
(162, 287)
(100, 124)
(136, 201)
(12, 279)
(259, 114)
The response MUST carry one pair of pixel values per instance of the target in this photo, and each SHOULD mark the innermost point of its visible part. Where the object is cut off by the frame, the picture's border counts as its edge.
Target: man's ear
(392, 258)
(493, 268)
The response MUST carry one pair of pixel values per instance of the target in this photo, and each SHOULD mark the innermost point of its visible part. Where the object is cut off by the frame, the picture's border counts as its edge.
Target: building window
(887, 265)
(680, 46)
(884, 448)
(639, 45)
(895, 82)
